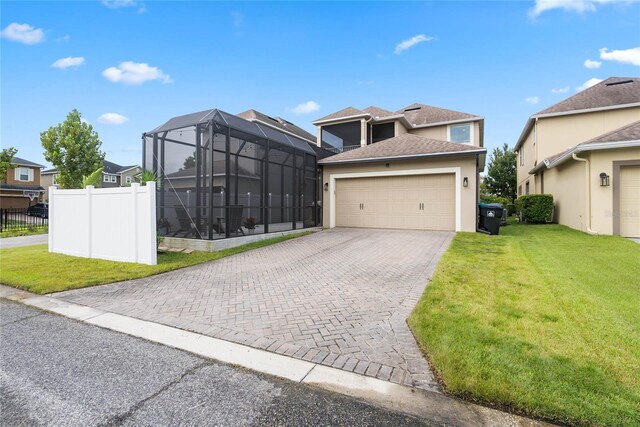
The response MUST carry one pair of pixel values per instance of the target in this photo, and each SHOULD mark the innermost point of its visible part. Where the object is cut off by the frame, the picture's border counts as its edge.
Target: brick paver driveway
(338, 298)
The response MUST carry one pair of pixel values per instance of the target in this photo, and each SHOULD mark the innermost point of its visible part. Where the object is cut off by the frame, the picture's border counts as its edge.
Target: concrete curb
(430, 406)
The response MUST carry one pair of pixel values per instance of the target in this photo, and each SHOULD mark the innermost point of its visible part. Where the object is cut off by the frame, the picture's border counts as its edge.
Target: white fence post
(150, 206)
(50, 216)
(89, 191)
(134, 223)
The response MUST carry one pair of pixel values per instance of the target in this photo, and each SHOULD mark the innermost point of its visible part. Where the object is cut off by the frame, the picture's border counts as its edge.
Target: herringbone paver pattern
(338, 298)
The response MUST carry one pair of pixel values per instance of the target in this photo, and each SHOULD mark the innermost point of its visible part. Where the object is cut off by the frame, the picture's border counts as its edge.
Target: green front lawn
(543, 320)
(25, 232)
(34, 269)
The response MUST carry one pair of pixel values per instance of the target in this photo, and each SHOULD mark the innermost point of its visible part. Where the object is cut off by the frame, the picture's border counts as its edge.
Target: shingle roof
(278, 122)
(405, 145)
(417, 114)
(420, 114)
(22, 162)
(109, 167)
(345, 112)
(378, 112)
(20, 187)
(610, 92)
(630, 132)
(627, 133)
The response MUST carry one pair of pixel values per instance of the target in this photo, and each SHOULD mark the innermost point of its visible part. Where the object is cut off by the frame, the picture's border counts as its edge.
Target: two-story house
(415, 168)
(22, 186)
(113, 175)
(585, 151)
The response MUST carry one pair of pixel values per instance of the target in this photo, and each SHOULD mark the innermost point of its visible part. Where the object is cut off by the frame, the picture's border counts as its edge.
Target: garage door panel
(394, 202)
(630, 201)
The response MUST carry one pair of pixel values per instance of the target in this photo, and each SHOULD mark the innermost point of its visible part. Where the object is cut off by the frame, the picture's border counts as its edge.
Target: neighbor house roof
(612, 93)
(344, 113)
(625, 137)
(20, 187)
(22, 162)
(277, 122)
(109, 168)
(404, 146)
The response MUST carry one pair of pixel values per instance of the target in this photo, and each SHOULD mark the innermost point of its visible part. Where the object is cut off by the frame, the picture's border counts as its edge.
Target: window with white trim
(521, 153)
(460, 133)
(54, 179)
(106, 178)
(24, 174)
(128, 180)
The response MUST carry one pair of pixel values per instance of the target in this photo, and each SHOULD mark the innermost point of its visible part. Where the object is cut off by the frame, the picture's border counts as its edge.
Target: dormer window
(460, 133)
(382, 131)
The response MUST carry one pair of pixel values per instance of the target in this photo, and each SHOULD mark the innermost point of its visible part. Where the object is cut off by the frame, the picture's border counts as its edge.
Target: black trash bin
(489, 217)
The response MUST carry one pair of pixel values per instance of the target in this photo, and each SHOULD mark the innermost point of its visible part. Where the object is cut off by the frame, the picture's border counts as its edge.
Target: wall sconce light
(326, 186)
(604, 180)
(465, 182)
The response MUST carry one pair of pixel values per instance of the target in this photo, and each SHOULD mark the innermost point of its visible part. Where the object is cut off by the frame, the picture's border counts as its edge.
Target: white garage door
(630, 201)
(421, 202)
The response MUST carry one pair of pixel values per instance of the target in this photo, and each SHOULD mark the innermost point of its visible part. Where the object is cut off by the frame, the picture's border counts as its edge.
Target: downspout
(588, 178)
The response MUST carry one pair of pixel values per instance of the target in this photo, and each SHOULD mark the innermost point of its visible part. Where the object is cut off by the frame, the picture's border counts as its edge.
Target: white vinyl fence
(117, 224)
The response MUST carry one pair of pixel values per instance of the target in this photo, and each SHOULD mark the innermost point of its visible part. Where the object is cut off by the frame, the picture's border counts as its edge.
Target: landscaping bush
(535, 208)
(490, 198)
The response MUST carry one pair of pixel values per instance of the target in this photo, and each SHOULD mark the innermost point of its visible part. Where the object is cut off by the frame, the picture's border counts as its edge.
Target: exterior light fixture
(604, 180)
(326, 186)
(465, 182)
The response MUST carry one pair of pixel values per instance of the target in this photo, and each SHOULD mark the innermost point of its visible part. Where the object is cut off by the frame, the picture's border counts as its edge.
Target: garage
(420, 202)
(630, 201)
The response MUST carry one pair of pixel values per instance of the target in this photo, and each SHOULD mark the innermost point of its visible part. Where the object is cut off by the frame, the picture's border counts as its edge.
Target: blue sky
(129, 66)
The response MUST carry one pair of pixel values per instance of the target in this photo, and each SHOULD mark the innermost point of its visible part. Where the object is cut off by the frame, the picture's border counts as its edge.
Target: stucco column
(363, 132)
(319, 138)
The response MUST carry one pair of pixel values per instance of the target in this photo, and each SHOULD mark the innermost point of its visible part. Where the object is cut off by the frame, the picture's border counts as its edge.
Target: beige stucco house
(113, 175)
(415, 168)
(585, 151)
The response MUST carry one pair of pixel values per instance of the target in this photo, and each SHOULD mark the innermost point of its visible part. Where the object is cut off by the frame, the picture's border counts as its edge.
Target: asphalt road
(57, 371)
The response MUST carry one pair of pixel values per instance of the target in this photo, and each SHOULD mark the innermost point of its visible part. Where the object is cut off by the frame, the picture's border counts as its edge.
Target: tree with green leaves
(6, 157)
(73, 148)
(501, 177)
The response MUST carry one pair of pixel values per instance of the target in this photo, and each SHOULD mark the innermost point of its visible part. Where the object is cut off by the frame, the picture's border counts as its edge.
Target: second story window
(460, 133)
(55, 179)
(521, 154)
(382, 131)
(341, 137)
(24, 174)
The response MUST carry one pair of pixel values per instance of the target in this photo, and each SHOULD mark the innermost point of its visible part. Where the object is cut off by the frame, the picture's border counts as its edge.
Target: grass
(542, 320)
(25, 232)
(34, 269)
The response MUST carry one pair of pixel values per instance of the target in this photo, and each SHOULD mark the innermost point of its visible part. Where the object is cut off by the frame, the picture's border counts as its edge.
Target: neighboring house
(585, 151)
(22, 186)
(415, 168)
(113, 175)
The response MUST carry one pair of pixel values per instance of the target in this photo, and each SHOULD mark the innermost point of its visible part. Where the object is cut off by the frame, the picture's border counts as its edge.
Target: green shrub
(489, 198)
(535, 208)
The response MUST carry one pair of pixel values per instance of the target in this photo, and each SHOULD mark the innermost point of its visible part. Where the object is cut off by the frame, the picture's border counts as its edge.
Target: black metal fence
(20, 220)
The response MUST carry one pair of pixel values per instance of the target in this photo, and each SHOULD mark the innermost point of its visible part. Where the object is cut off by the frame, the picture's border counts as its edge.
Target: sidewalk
(15, 242)
(428, 406)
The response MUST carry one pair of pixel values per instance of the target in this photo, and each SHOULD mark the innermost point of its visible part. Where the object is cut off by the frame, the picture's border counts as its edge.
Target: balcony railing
(342, 149)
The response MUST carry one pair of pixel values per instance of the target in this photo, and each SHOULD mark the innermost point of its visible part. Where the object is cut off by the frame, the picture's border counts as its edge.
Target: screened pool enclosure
(222, 176)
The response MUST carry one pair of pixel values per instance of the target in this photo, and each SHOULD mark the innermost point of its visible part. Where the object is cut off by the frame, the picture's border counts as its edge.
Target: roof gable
(421, 114)
(22, 162)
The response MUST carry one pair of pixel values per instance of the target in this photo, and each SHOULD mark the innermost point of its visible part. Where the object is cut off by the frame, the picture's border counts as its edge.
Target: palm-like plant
(148, 176)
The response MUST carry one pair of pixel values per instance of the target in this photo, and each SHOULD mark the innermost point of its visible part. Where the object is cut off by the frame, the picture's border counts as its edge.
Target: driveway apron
(338, 298)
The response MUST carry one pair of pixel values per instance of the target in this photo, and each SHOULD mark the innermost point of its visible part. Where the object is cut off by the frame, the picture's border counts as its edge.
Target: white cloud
(238, 18)
(592, 64)
(112, 119)
(579, 6)
(409, 43)
(71, 61)
(533, 100)
(306, 108)
(23, 33)
(627, 56)
(586, 85)
(560, 90)
(365, 82)
(119, 4)
(135, 73)
(64, 38)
